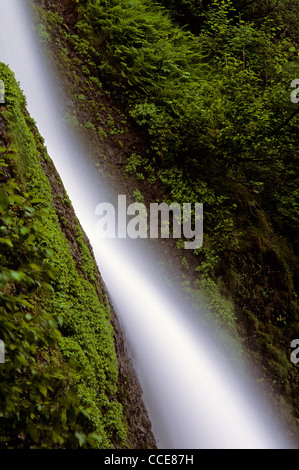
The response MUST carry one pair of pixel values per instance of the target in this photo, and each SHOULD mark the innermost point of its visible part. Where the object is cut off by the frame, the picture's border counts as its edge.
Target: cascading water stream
(195, 397)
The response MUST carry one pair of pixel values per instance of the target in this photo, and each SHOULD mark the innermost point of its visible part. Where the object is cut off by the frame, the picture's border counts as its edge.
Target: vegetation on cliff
(208, 86)
(59, 380)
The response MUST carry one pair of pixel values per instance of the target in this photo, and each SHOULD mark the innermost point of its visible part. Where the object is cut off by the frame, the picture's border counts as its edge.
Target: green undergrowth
(59, 380)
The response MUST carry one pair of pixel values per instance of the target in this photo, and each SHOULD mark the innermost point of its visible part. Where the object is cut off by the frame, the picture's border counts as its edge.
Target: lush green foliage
(216, 106)
(176, 82)
(38, 401)
(59, 380)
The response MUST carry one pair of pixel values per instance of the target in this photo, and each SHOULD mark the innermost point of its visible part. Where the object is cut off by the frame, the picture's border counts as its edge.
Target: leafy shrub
(38, 404)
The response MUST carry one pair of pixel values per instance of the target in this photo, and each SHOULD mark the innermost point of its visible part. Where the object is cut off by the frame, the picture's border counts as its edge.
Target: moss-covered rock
(61, 385)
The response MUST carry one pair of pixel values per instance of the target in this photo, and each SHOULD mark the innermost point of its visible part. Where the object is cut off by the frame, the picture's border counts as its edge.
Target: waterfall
(196, 397)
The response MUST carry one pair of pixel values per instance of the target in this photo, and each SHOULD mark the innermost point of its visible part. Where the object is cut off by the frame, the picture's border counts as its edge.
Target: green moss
(86, 345)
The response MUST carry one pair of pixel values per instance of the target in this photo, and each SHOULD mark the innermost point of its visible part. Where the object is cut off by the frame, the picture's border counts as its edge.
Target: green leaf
(22, 360)
(81, 438)
(43, 389)
(35, 267)
(18, 275)
(6, 241)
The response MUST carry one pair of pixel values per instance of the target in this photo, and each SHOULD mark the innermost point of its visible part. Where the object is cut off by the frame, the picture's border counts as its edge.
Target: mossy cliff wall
(66, 380)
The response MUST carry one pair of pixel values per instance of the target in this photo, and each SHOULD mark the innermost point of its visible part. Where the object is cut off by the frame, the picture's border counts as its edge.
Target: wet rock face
(140, 435)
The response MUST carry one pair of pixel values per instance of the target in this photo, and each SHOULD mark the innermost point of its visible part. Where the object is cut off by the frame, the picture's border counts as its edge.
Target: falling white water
(195, 397)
